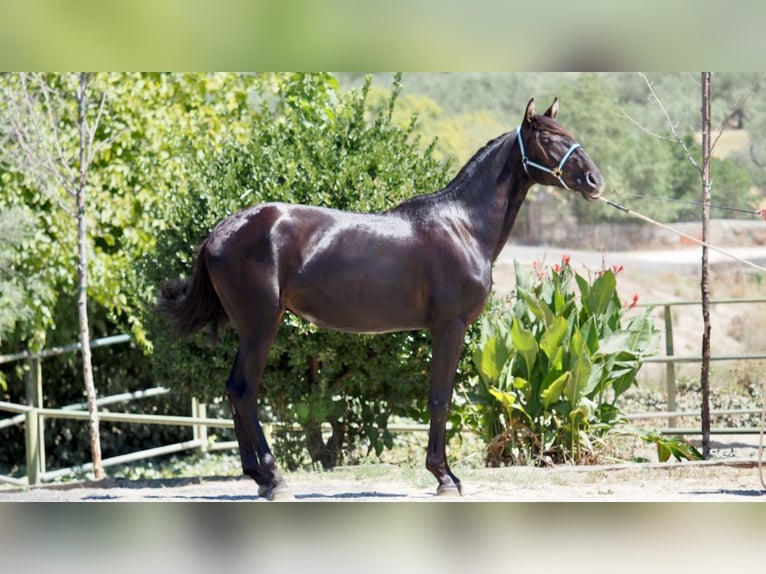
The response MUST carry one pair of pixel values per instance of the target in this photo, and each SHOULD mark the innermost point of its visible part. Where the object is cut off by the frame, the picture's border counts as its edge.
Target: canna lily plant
(552, 363)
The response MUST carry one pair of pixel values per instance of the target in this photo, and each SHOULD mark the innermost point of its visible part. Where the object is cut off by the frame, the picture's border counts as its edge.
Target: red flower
(617, 268)
(632, 304)
(565, 260)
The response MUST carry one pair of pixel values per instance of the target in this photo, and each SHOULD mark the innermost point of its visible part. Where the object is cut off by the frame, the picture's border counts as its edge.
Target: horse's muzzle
(593, 186)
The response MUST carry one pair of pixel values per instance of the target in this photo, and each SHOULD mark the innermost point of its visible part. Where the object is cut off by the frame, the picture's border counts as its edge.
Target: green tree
(15, 225)
(313, 144)
(58, 161)
(145, 120)
(642, 168)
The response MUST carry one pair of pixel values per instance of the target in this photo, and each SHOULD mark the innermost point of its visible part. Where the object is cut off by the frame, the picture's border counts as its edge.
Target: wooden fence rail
(33, 414)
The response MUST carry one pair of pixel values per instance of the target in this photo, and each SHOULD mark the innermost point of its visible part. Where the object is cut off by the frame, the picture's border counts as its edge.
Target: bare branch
(739, 104)
(625, 115)
(92, 133)
(61, 170)
(672, 126)
(27, 140)
(94, 148)
(53, 121)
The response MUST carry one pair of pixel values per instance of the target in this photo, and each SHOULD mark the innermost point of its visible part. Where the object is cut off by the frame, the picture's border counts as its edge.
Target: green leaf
(617, 342)
(601, 294)
(553, 336)
(536, 306)
(663, 451)
(521, 384)
(554, 391)
(503, 397)
(525, 344)
(491, 358)
(555, 363)
(581, 371)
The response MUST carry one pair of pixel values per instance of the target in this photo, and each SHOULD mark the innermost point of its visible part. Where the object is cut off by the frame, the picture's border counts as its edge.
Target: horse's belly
(357, 308)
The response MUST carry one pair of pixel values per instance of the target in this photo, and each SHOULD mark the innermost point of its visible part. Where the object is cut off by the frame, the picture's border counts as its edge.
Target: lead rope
(727, 254)
(682, 234)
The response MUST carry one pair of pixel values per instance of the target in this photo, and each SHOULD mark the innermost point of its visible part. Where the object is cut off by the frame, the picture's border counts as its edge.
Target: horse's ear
(530, 113)
(553, 110)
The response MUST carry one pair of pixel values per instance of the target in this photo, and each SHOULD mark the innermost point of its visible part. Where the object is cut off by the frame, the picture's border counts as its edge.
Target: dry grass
(731, 142)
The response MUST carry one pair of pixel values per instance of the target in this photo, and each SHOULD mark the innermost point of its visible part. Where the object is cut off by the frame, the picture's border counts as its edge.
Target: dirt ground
(735, 480)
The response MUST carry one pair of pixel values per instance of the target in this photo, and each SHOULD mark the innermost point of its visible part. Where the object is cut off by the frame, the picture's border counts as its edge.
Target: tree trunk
(328, 454)
(705, 279)
(82, 282)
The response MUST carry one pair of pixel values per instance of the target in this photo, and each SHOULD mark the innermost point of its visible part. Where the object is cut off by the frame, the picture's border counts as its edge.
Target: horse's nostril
(593, 180)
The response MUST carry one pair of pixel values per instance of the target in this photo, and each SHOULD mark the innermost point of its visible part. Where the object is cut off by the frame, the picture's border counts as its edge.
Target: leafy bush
(551, 367)
(310, 144)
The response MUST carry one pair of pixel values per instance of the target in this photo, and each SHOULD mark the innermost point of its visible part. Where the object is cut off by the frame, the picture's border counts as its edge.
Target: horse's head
(551, 156)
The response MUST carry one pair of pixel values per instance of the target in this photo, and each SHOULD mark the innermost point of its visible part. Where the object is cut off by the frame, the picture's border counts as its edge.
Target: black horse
(424, 264)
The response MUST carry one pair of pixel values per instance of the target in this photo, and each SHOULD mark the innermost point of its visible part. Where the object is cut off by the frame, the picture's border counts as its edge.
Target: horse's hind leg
(242, 391)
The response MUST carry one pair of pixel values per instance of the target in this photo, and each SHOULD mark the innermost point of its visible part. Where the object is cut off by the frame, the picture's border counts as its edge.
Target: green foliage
(145, 122)
(15, 225)
(551, 368)
(626, 133)
(144, 119)
(676, 447)
(309, 143)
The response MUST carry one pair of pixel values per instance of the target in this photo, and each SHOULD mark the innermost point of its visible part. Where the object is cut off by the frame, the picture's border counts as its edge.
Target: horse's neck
(492, 198)
(515, 197)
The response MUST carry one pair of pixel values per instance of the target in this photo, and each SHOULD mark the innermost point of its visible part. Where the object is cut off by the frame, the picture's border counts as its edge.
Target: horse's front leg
(447, 345)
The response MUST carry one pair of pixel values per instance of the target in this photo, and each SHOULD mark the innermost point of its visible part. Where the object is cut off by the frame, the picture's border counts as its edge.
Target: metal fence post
(34, 395)
(670, 366)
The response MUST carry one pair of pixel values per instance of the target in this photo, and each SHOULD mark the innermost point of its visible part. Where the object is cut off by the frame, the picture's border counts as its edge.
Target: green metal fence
(671, 360)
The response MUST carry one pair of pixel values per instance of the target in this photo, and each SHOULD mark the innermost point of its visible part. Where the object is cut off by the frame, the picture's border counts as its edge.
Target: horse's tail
(192, 304)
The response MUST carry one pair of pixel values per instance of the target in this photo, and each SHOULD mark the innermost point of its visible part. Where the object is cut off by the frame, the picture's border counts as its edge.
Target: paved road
(681, 260)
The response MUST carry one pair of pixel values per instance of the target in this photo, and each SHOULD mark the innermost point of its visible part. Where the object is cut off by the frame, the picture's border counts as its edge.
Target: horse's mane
(466, 172)
(477, 160)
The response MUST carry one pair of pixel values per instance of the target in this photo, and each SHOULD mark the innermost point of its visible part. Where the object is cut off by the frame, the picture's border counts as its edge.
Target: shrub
(552, 364)
(311, 144)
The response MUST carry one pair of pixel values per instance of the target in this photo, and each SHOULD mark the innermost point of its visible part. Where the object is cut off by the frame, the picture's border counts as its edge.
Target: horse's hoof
(276, 493)
(449, 490)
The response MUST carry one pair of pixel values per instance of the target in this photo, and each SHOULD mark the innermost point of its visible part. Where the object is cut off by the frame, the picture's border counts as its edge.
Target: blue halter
(556, 171)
